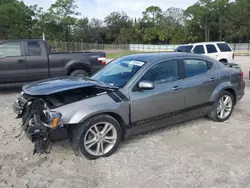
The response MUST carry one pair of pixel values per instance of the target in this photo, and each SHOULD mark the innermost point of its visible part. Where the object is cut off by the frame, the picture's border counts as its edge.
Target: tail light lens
(241, 75)
(103, 60)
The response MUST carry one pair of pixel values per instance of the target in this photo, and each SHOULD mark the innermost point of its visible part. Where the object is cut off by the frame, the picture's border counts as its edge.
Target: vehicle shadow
(64, 146)
(174, 128)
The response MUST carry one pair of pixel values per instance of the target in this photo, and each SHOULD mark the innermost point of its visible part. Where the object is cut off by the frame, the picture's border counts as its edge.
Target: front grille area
(19, 105)
(23, 98)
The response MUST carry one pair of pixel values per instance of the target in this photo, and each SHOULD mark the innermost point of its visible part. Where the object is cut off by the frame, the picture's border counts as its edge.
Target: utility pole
(142, 37)
(206, 28)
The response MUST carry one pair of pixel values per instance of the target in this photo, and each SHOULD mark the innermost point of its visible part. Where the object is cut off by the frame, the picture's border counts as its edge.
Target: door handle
(176, 88)
(21, 61)
(212, 79)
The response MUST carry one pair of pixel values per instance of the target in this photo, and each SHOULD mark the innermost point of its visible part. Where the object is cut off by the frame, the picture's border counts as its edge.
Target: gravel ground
(198, 153)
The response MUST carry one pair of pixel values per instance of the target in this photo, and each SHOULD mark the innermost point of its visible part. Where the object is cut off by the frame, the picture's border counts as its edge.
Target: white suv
(221, 51)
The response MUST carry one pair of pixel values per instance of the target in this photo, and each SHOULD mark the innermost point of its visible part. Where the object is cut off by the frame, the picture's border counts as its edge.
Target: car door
(37, 61)
(12, 62)
(198, 49)
(201, 79)
(149, 108)
(212, 51)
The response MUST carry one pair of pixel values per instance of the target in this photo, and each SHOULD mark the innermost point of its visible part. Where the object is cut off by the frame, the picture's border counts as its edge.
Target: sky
(101, 8)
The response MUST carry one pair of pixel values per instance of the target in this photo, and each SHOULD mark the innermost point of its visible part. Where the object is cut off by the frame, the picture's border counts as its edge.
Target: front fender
(79, 111)
(121, 109)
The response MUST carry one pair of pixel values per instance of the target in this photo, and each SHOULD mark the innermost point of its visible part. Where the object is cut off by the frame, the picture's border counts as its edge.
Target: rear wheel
(81, 73)
(100, 138)
(222, 107)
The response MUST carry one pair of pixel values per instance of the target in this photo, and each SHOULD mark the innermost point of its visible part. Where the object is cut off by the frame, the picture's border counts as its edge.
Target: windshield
(186, 48)
(118, 72)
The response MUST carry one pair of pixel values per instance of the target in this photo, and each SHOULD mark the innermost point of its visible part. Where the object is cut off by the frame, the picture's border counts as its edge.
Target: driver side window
(163, 73)
(10, 49)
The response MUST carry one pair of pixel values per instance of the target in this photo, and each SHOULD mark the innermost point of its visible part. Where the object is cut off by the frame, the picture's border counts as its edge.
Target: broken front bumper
(32, 114)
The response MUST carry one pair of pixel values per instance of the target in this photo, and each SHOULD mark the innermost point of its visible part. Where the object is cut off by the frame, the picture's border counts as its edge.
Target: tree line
(206, 20)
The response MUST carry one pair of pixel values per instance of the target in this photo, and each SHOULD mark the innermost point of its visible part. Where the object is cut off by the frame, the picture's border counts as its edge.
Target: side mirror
(192, 51)
(146, 85)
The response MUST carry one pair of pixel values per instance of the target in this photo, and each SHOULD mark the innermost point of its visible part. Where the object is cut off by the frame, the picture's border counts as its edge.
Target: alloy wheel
(224, 106)
(100, 138)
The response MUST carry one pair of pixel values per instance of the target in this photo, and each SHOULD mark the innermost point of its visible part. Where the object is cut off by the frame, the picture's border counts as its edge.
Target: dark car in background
(31, 60)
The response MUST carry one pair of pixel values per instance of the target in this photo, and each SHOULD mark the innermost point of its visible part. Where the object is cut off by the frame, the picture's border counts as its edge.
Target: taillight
(241, 75)
(103, 60)
(233, 55)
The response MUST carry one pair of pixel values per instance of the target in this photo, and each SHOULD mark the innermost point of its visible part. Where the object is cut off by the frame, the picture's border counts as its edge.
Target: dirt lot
(199, 153)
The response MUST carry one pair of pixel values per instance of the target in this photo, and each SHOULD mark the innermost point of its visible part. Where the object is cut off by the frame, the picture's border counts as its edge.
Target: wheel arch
(77, 65)
(77, 129)
(224, 87)
(232, 91)
(223, 60)
(118, 117)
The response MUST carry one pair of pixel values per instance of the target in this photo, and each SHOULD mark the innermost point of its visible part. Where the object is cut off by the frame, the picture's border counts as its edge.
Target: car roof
(197, 43)
(212, 42)
(146, 57)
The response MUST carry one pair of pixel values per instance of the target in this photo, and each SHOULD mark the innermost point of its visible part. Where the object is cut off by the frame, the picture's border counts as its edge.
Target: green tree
(114, 23)
(15, 19)
(97, 31)
(80, 30)
(152, 16)
(237, 23)
(63, 12)
(206, 18)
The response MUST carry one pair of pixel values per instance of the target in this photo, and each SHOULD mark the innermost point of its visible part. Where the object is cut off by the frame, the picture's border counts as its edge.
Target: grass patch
(120, 54)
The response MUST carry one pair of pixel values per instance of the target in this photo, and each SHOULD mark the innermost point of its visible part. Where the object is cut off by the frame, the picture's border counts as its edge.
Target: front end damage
(40, 123)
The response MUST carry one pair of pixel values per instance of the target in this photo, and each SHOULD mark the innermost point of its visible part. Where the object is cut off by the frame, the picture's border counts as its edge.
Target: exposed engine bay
(40, 123)
(70, 96)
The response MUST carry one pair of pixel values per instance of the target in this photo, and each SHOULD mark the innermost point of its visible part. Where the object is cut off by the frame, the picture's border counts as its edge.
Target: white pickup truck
(221, 51)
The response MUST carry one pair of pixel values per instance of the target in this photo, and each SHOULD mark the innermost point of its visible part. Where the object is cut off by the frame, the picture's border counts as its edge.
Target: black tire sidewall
(90, 122)
(77, 72)
(214, 112)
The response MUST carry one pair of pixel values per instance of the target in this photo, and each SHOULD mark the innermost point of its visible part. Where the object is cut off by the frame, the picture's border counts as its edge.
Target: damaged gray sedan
(131, 95)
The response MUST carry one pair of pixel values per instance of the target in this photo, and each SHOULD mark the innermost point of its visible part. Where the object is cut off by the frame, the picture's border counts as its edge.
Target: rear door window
(34, 49)
(195, 67)
(10, 49)
(199, 49)
(211, 48)
(224, 47)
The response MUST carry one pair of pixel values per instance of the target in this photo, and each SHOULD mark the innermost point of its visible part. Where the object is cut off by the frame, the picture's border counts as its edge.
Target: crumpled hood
(56, 85)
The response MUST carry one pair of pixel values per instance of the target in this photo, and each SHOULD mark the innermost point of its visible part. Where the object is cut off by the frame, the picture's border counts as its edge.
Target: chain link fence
(59, 46)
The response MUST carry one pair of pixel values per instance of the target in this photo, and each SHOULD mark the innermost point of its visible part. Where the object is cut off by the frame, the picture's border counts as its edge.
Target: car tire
(82, 73)
(221, 112)
(106, 147)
